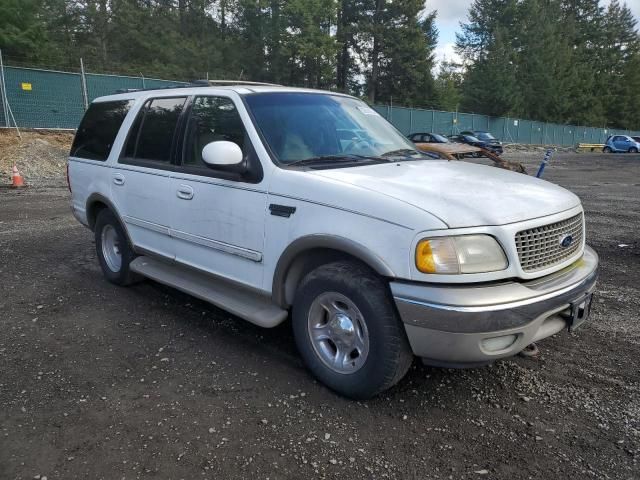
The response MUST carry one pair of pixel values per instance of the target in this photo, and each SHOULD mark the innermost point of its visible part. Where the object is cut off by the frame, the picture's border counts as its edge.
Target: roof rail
(198, 83)
(208, 83)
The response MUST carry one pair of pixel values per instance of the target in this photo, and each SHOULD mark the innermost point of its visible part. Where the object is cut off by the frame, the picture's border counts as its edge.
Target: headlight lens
(462, 254)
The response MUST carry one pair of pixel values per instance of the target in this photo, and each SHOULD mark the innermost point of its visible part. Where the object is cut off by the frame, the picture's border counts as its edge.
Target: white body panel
(461, 194)
(144, 203)
(221, 229)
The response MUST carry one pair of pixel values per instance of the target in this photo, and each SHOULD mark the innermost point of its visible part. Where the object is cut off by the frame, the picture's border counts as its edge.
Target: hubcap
(111, 248)
(338, 332)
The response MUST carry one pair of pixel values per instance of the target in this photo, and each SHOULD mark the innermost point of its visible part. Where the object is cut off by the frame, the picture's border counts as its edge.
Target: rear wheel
(606, 150)
(347, 330)
(113, 249)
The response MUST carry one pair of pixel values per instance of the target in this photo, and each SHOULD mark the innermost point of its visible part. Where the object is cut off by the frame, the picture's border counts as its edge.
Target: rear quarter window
(98, 129)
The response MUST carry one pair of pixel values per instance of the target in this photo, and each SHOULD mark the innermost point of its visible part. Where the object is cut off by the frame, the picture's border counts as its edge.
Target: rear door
(219, 212)
(142, 188)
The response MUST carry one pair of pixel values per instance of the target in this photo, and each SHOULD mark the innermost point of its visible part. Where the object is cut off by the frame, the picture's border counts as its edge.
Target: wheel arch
(98, 202)
(309, 252)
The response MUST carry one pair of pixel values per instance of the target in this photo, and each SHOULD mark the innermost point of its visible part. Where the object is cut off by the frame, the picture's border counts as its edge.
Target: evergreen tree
(544, 62)
(448, 85)
(21, 29)
(490, 86)
(401, 54)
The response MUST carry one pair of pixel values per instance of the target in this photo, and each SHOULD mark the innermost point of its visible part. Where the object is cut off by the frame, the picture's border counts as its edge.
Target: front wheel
(347, 330)
(606, 150)
(113, 249)
(633, 150)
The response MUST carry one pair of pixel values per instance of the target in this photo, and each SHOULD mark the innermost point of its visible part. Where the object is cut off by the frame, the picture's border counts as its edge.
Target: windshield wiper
(342, 158)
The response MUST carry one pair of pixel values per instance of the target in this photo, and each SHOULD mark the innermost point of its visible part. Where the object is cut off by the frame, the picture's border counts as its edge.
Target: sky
(452, 12)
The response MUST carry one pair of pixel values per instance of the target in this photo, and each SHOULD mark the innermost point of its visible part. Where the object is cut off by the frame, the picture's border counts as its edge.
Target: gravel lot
(98, 381)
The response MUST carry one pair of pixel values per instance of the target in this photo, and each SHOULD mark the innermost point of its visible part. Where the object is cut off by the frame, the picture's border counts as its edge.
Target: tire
(382, 354)
(111, 244)
(633, 150)
(606, 150)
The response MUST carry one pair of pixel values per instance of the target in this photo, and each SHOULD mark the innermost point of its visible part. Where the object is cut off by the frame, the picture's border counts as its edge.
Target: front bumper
(450, 324)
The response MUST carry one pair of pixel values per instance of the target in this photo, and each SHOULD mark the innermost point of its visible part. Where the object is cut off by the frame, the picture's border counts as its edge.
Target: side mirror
(222, 154)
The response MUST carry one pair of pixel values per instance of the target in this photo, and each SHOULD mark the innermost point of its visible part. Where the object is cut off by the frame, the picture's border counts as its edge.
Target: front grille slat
(539, 248)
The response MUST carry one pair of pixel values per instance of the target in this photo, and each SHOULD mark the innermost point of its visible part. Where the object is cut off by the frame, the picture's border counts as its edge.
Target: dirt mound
(39, 155)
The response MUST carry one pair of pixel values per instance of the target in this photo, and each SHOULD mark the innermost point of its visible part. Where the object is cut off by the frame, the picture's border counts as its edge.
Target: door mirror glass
(222, 153)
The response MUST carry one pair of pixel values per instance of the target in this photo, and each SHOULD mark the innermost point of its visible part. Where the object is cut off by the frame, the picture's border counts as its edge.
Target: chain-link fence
(509, 130)
(37, 98)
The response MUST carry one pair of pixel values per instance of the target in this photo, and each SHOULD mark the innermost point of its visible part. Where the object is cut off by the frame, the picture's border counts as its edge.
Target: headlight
(462, 254)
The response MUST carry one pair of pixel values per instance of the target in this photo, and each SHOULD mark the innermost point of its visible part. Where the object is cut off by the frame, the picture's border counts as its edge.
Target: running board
(247, 305)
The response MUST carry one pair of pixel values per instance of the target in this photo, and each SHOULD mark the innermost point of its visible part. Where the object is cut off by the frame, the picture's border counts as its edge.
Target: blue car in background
(621, 143)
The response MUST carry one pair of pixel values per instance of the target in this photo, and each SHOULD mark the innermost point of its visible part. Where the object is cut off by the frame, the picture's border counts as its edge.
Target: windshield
(302, 126)
(485, 136)
(470, 138)
(439, 138)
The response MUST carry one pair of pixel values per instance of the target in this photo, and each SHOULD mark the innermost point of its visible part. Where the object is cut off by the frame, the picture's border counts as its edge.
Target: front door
(220, 213)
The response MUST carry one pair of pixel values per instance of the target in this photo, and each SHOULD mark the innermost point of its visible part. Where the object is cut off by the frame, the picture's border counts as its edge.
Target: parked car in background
(476, 142)
(487, 137)
(435, 143)
(621, 143)
(637, 139)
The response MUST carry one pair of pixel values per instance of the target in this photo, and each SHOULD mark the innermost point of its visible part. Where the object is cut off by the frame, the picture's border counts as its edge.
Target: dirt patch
(41, 156)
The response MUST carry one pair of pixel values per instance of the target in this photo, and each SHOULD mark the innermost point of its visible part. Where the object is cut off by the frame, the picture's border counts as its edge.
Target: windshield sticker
(368, 111)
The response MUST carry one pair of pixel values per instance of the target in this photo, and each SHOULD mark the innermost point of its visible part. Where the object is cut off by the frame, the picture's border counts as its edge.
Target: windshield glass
(301, 126)
(485, 136)
(470, 138)
(439, 138)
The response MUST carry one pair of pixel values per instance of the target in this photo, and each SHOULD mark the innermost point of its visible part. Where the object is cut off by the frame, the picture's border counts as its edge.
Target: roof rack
(231, 82)
(199, 83)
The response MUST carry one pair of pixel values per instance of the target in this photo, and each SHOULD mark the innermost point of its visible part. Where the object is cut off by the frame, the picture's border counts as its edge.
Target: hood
(460, 194)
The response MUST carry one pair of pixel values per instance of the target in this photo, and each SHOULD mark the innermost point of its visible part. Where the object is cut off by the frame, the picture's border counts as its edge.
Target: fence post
(3, 93)
(83, 83)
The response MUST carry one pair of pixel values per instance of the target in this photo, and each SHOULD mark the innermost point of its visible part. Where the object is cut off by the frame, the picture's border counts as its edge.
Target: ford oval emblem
(566, 241)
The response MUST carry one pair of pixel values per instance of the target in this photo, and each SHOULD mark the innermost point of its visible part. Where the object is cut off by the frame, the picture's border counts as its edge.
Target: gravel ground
(99, 381)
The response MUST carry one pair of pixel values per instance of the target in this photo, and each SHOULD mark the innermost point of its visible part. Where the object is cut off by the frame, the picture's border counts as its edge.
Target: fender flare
(330, 242)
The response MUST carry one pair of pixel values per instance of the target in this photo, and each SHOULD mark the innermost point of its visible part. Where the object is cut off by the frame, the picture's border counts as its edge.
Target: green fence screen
(53, 99)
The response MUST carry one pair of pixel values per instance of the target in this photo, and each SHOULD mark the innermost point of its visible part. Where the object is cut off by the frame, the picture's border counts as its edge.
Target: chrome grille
(540, 247)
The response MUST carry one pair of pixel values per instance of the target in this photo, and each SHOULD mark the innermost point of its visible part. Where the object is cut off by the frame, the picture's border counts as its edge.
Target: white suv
(266, 201)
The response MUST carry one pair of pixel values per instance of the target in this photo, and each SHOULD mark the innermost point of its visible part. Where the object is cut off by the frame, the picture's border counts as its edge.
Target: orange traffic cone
(17, 180)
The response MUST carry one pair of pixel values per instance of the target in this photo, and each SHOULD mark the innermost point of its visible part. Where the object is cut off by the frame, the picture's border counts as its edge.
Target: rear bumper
(450, 324)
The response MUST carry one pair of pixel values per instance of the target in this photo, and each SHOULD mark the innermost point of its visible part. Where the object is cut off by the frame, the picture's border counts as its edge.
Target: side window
(152, 133)
(98, 129)
(212, 119)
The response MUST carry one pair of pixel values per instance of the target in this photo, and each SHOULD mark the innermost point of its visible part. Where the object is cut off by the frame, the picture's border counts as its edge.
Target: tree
(21, 29)
(401, 53)
(544, 63)
(490, 86)
(448, 85)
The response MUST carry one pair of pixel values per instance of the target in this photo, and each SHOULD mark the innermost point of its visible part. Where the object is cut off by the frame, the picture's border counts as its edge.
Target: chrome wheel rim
(338, 333)
(111, 248)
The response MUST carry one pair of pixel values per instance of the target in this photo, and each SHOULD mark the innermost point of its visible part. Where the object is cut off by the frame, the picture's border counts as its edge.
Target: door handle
(118, 179)
(185, 192)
